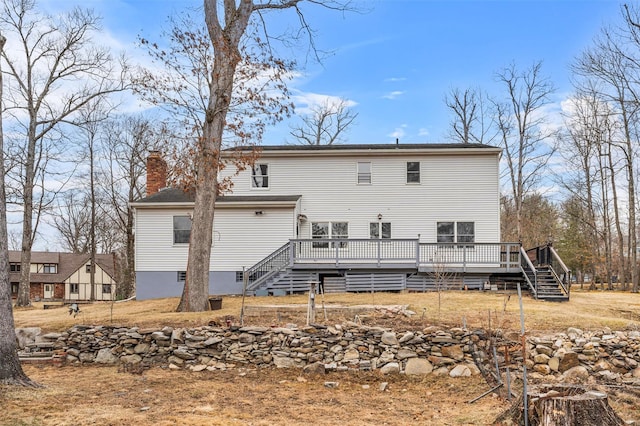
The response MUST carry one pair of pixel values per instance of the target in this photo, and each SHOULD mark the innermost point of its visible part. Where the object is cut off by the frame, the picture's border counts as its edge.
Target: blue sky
(397, 59)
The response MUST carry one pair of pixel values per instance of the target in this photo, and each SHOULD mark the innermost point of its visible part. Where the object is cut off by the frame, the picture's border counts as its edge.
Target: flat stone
(283, 362)
(331, 385)
(406, 353)
(453, 352)
(389, 338)
(131, 359)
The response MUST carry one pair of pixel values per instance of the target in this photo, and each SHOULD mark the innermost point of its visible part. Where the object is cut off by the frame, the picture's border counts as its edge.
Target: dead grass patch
(101, 395)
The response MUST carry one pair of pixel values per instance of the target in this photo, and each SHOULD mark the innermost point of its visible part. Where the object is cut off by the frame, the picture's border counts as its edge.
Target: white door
(48, 291)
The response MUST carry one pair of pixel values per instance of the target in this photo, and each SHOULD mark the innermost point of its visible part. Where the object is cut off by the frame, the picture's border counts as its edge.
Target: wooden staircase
(546, 274)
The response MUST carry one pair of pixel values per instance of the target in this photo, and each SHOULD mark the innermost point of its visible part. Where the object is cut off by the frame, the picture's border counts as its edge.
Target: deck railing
(405, 251)
(499, 255)
(560, 270)
(268, 266)
(529, 271)
(354, 250)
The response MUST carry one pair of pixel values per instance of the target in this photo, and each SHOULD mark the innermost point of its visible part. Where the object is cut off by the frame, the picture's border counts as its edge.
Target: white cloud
(392, 95)
(398, 132)
(423, 132)
(305, 101)
(394, 79)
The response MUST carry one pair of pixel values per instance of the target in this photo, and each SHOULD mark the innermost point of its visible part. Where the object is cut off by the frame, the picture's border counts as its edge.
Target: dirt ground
(92, 395)
(104, 396)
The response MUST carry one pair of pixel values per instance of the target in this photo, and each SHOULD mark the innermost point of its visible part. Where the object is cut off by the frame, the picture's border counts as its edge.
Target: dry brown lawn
(92, 395)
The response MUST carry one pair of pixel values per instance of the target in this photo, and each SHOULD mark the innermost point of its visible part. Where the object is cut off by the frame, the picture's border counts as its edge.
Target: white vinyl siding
(239, 238)
(454, 187)
(260, 176)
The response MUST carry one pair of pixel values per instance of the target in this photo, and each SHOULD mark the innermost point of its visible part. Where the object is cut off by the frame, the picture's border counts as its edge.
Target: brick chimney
(156, 173)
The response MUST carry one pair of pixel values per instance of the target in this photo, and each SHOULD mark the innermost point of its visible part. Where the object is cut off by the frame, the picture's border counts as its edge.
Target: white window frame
(379, 233)
(329, 235)
(175, 230)
(456, 236)
(413, 173)
(364, 173)
(264, 178)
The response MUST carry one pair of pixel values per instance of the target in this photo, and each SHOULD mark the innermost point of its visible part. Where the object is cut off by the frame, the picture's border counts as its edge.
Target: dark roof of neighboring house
(338, 147)
(68, 263)
(176, 195)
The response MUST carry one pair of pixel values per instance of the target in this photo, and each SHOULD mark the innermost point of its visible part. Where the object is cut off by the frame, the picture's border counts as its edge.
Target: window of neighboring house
(379, 230)
(182, 276)
(106, 288)
(14, 288)
(74, 288)
(49, 268)
(461, 232)
(413, 172)
(323, 230)
(364, 173)
(87, 268)
(181, 229)
(260, 175)
(239, 276)
(14, 267)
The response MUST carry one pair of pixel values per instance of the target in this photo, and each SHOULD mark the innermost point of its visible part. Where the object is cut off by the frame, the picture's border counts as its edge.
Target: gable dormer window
(260, 175)
(49, 268)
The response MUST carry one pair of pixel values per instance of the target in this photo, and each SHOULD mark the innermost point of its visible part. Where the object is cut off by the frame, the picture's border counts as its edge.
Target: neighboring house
(351, 217)
(65, 276)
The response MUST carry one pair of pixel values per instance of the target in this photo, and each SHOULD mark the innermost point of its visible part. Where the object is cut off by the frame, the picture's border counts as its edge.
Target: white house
(353, 217)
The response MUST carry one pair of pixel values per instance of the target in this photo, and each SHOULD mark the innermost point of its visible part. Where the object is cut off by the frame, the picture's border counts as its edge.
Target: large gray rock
(577, 374)
(283, 362)
(105, 356)
(390, 368)
(460, 371)
(418, 367)
(389, 338)
(27, 335)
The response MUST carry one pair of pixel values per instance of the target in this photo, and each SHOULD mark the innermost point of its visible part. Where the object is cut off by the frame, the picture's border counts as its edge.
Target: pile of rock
(340, 347)
(578, 355)
(574, 355)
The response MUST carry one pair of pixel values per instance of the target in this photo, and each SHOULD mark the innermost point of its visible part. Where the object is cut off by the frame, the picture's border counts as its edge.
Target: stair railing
(557, 265)
(269, 266)
(529, 271)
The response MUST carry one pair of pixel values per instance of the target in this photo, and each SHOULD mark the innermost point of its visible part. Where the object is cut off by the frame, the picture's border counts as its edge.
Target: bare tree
(10, 368)
(122, 181)
(51, 54)
(614, 63)
(325, 124)
(234, 86)
(470, 115)
(73, 221)
(527, 142)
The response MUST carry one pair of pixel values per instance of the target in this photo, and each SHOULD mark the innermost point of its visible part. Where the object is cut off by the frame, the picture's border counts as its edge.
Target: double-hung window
(380, 230)
(329, 230)
(413, 172)
(364, 173)
(181, 229)
(260, 175)
(460, 232)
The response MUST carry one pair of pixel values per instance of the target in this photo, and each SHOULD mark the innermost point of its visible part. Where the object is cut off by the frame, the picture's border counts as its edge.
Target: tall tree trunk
(227, 56)
(10, 368)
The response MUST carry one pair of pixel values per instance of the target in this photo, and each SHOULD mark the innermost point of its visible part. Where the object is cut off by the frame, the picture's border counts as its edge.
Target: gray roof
(176, 195)
(364, 147)
(68, 263)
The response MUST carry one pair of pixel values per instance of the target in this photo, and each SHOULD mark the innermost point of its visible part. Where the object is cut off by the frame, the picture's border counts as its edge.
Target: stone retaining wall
(601, 355)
